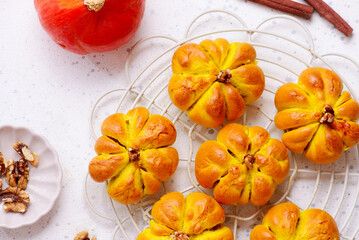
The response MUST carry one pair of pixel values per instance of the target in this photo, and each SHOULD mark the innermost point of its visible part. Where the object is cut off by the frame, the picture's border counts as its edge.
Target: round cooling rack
(333, 187)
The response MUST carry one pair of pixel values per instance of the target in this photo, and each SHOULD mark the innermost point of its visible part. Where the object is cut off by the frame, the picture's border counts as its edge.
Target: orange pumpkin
(214, 80)
(86, 26)
(134, 154)
(243, 165)
(319, 119)
(198, 217)
(285, 221)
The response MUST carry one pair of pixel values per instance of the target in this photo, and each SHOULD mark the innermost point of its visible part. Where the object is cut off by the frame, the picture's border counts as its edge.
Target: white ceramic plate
(45, 180)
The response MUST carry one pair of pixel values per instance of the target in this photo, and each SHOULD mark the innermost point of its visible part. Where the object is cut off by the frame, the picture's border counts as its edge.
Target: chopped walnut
(2, 164)
(224, 76)
(19, 207)
(10, 170)
(15, 194)
(180, 236)
(249, 160)
(24, 151)
(134, 154)
(328, 115)
(83, 236)
(17, 173)
(14, 199)
(17, 176)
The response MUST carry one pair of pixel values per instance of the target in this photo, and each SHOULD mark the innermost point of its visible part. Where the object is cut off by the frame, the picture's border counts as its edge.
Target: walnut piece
(180, 236)
(83, 236)
(224, 76)
(17, 173)
(249, 160)
(2, 164)
(12, 194)
(134, 154)
(19, 207)
(15, 199)
(328, 115)
(24, 151)
(10, 173)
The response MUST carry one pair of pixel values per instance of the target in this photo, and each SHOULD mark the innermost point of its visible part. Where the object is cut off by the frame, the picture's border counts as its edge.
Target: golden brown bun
(319, 119)
(134, 154)
(196, 87)
(198, 216)
(225, 165)
(285, 221)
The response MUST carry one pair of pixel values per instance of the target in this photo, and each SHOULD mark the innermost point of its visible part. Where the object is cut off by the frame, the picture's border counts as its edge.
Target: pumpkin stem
(328, 115)
(224, 76)
(133, 154)
(249, 159)
(94, 5)
(179, 236)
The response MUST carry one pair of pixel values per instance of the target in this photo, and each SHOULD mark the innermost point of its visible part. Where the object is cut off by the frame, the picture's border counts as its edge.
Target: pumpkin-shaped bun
(319, 119)
(214, 80)
(133, 152)
(243, 165)
(198, 217)
(285, 221)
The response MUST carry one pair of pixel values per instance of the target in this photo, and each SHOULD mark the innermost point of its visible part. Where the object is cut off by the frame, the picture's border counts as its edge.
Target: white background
(52, 91)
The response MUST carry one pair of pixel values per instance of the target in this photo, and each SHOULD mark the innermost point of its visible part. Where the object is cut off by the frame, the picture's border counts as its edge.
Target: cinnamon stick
(288, 6)
(328, 13)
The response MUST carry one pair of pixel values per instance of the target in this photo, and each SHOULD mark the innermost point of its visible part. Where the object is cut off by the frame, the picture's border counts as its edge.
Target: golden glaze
(196, 88)
(319, 119)
(243, 165)
(134, 154)
(198, 216)
(285, 221)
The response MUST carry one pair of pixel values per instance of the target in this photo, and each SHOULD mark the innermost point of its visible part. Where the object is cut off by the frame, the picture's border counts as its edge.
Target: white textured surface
(52, 91)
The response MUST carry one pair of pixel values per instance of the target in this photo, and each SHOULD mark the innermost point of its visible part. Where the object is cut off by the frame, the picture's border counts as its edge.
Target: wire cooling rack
(333, 187)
